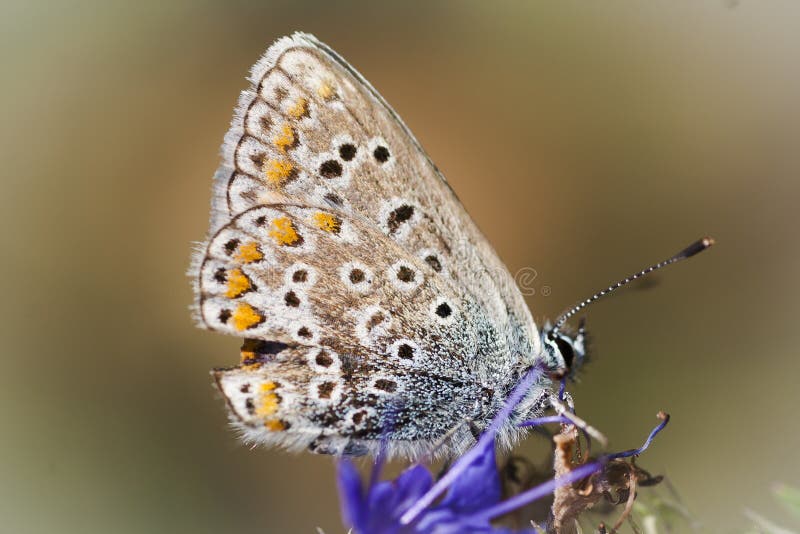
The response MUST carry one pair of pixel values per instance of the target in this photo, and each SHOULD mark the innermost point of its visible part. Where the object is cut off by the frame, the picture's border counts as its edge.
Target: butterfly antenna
(695, 248)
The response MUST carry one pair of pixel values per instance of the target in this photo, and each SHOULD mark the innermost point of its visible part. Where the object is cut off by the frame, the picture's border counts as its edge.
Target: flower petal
(350, 492)
(478, 486)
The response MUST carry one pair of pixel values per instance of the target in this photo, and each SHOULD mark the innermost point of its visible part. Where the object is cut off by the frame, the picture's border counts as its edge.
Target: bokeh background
(587, 139)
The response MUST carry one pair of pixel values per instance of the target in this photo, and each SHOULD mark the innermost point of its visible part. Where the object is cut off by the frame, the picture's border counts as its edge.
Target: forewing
(321, 278)
(311, 131)
(370, 338)
(331, 230)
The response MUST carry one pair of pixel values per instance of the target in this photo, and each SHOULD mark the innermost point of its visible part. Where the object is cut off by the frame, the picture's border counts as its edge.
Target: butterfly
(372, 308)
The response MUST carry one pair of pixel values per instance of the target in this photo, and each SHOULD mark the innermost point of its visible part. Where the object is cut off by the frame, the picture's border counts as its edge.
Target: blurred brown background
(587, 139)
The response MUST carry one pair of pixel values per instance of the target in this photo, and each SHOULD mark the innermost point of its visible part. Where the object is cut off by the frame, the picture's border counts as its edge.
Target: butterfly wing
(366, 332)
(312, 132)
(318, 277)
(316, 399)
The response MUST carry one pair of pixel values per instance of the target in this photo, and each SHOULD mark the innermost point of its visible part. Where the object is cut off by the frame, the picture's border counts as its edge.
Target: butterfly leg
(564, 411)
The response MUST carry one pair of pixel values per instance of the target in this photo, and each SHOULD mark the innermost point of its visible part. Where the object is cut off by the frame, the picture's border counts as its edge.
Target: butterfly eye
(566, 351)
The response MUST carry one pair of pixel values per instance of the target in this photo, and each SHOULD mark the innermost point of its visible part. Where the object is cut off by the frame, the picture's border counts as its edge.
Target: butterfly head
(565, 351)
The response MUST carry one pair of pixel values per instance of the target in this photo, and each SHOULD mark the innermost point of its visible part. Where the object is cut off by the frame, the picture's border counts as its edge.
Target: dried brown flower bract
(616, 482)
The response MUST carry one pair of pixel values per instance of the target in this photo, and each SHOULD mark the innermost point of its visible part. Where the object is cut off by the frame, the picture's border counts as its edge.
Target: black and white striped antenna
(698, 246)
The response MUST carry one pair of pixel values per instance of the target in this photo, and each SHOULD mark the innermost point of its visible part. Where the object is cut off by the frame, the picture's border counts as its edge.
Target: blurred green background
(587, 139)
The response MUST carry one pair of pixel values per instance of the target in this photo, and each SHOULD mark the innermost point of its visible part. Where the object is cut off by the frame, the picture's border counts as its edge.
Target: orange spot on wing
(278, 171)
(327, 222)
(248, 350)
(284, 232)
(274, 425)
(246, 317)
(238, 283)
(325, 91)
(269, 399)
(250, 361)
(286, 139)
(248, 253)
(299, 108)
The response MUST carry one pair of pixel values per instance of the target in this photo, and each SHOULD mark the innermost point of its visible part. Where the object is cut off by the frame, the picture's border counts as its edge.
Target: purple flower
(378, 509)
(471, 488)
